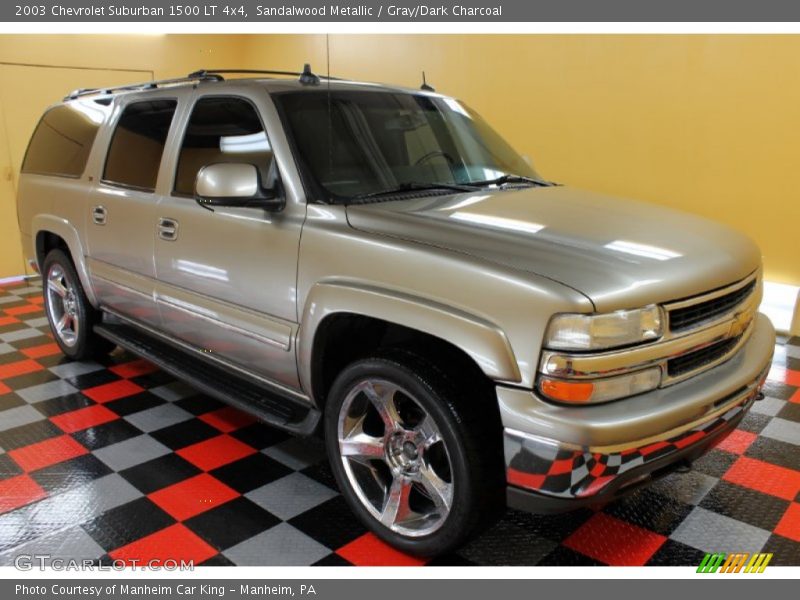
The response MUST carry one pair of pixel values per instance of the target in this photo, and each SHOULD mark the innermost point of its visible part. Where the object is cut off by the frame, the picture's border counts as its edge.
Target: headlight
(604, 331)
(594, 391)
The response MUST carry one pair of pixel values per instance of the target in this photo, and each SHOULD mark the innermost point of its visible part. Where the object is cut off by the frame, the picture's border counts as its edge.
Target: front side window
(356, 143)
(63, 139)
(134, 155)
(223, 130)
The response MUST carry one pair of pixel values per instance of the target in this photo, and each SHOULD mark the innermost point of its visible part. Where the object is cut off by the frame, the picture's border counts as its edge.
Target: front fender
(483, 341)
(63, 229)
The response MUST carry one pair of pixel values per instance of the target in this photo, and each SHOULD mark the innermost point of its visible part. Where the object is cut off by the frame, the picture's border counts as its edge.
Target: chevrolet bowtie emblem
(739, 324)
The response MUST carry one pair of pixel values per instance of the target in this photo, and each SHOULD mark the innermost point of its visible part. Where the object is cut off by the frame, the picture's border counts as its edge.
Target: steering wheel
(434, 154)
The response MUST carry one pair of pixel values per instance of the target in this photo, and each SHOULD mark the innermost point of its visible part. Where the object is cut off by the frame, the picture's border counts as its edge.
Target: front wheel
(69, 312)
(412, 456)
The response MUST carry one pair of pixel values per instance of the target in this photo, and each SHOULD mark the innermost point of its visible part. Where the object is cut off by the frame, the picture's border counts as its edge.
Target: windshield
(356, 144)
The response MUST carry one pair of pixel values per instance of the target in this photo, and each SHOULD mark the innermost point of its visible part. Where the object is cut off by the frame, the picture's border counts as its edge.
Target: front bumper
(562, 457)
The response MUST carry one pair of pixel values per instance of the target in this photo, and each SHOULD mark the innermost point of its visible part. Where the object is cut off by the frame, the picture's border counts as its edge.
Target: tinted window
(223, 130)
(63, 139)
(138, 143)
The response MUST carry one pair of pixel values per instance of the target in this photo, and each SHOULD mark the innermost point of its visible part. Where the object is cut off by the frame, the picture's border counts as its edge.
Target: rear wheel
(69, 312)
(412, 456)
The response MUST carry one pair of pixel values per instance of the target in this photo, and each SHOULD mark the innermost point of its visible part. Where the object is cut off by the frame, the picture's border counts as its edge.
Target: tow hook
(684, 466)
(759, 396)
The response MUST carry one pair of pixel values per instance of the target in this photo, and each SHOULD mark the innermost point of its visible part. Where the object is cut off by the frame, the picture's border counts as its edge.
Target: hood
(620, 253)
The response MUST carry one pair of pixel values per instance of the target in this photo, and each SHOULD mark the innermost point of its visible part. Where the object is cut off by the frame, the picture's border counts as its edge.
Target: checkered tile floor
(116, 459)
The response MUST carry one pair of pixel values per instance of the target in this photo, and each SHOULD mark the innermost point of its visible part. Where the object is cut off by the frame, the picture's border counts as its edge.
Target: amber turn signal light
(567, 391)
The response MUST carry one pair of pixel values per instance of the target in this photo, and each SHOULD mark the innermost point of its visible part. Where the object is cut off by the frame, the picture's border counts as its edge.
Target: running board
(243, 393)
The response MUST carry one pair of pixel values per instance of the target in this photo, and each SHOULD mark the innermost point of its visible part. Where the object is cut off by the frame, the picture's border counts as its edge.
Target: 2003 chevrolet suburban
(377, 265)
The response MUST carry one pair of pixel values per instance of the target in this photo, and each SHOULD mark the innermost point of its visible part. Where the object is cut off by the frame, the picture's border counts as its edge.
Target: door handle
(99, 215)
(167, 229)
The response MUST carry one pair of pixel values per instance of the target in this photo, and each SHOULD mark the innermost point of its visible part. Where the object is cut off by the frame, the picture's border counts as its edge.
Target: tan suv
(377, 265)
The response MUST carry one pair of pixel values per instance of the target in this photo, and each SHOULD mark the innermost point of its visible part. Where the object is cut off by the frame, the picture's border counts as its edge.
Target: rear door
(227, 277)
(120, 217)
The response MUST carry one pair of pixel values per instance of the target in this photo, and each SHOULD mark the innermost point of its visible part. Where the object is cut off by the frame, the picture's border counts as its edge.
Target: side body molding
(63, 229)
(484, 342)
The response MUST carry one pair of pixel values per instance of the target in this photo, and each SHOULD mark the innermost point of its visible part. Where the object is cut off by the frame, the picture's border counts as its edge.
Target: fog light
(600, 390)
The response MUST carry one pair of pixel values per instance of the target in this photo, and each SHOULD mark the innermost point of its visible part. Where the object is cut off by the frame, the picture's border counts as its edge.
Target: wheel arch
(370, 314)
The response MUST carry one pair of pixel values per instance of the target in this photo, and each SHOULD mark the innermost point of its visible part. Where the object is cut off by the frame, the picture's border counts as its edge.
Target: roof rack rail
(305, 73)
(198, 76)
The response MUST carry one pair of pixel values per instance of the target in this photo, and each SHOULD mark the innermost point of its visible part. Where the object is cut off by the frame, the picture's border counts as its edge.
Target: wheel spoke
(362, 447)
(437, 489)
(56, 286)
(62, 323)
(396, 508)
(429, 432)
(383, 401)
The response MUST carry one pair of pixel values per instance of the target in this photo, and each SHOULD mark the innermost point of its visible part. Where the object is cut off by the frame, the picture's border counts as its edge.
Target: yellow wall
(703, 123)
(708, 124)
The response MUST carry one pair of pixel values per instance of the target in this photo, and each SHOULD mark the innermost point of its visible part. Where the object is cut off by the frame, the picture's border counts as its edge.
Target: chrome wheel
(62, 305)
(395, 458)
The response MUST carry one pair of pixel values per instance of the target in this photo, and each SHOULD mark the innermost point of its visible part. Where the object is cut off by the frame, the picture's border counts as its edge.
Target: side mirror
(236, 185)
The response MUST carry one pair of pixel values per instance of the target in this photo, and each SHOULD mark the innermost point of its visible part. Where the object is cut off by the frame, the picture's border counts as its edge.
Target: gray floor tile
(768, 406)
(297, 453)
(131, 452)
(282, 545)
(171, 392)
(46, 391)
(783, 430)
(20, 415)
(712, 532)
(6, 348)
(793, 351)
(8, 299)
(38, 322)
(158, 417)
(20, 334)
(73, 369)
(291, 495)
(69, 544)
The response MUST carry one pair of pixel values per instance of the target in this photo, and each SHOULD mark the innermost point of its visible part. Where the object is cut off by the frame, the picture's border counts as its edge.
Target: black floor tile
(127, 523)
(10, 400)
(250, 472)
(217, 561)
(556, 527)
(790, 412)
(30, 379)
(333, 560)
(331, 523)
(93, 379)
(135, 403)
(715, 463)
(8, 468)
(159, 473)
(650, 510)
(673, 553)
(775, 452)
(567, 557)
(786, 552)
(25, 435)
(63, 404)
(185, 434)
(199, 404)
(69, 474)
(746, 505)
(231, 523)
(106, 434)
(260, 436)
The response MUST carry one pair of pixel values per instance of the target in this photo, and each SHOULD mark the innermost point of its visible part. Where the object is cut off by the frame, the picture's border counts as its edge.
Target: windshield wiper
(413, 186)
(510, 178)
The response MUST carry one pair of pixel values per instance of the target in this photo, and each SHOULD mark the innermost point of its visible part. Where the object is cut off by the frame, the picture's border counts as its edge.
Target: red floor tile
(783, 375)
(789, 525)
(227, 419)
(174, 543)
(795, 397)
(193, 496)
(737, 442)
(43, 350)
(77, 420)
(20, 367)
(22, 310)
(369, 550)
(112, 391)
(8, 320)
(134, 368)
(19, 491)
(215, 452)
(36, 300)
(4, 389)
(46, 453)
(764, 477)
(614, 541)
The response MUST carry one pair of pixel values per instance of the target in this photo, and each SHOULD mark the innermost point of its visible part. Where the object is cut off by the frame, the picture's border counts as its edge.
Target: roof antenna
(307, 77)
(425, 85)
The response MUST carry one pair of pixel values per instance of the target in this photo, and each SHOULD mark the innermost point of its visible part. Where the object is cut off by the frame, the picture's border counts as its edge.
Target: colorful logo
(734, 563)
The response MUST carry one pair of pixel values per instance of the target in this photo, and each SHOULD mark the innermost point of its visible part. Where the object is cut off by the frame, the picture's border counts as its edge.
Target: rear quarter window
(63, 139)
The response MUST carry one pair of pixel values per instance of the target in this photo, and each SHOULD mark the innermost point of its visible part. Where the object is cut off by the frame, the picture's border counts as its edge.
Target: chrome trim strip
(712, 295)
(279, 388)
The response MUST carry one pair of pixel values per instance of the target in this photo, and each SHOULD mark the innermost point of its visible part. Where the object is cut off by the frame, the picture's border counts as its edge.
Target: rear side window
(138, 142)
(63, 139)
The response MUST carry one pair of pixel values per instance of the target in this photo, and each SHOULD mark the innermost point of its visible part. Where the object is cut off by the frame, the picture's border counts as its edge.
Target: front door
(226, 279)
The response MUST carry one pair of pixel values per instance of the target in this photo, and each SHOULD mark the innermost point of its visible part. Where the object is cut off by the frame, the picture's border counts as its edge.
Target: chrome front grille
(689, 316)
(694, 361)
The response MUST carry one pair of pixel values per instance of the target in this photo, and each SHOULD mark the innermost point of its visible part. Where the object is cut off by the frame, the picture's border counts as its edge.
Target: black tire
(83, 343)
(471, 432)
